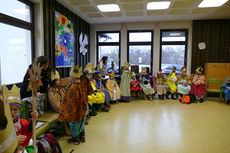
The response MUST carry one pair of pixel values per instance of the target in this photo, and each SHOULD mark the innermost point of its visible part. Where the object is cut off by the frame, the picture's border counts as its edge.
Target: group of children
(89, 91)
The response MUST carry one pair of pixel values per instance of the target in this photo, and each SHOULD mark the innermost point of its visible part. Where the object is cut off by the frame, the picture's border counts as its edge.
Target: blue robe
(105, 91)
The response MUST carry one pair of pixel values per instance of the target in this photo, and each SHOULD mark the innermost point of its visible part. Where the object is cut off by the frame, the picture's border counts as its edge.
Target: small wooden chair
(213, 86)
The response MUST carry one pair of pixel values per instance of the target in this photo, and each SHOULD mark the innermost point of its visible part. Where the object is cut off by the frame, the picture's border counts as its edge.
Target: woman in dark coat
(44, 64)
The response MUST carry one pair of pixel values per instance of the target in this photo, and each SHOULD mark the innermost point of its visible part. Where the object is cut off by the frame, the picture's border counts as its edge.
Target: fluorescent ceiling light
(211, 3)
(158, 5)
(108, 8)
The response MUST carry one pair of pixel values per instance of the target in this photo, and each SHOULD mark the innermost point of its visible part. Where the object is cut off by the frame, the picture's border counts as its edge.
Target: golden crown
(14, 95)
(75, 72)
(54, 75)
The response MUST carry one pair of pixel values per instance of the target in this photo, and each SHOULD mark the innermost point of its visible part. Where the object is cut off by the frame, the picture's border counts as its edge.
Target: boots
(167, 95)
(163, 97)
(172, 97)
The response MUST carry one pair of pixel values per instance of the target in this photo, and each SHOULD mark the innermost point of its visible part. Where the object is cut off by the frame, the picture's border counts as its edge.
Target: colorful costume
(145, 83)
(160, 85)
(135, 85)
(100, 86)
(22, 126)
(55, 93)
(183, 83)
(125, 83)
(113, 88)
(198, 87)
(226, 85)
(171, 82)
(74, 106)
(96, 97)
(8, 140)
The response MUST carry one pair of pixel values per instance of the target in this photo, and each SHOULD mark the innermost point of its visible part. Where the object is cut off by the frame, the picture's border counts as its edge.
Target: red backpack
(48, 144)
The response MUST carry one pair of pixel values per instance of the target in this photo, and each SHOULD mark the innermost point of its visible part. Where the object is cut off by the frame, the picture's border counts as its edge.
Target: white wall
(156, 26)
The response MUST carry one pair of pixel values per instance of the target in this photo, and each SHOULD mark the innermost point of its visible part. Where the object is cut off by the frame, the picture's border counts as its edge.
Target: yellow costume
(113, 88)
(171, 82)
(96, 97)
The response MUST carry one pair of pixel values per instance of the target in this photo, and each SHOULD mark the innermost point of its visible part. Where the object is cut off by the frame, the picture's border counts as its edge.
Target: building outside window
(173, 50)
(108, 44)
(140, 48)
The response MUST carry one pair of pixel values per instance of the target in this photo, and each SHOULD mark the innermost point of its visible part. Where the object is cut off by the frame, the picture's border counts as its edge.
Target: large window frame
(150, 43)
(174, 43)
(12, 21)
(98, 44)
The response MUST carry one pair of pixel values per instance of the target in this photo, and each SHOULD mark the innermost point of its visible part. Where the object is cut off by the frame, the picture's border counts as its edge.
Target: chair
(214, 86)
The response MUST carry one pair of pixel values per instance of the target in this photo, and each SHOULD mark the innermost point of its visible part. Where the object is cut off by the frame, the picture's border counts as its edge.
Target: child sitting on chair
(171, 82)
(226, 86)
(198, 87)
(135, 86)
(56, 93)
(160, 85)
(23, 127)
(145, 84)
(113, 88)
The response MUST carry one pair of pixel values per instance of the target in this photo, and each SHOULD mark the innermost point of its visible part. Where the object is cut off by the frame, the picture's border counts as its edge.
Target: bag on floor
(48, 144)
(185, 99)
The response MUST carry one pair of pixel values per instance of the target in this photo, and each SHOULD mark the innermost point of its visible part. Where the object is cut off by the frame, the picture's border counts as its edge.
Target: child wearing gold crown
(56, 92)
(23, 127)
(160, 85)
(135, 85)
(98, 97)
(145, 84)
(113, 88)
(198, 87)
(183, 83)
(171, 82)
(74, 105)
(125, 83)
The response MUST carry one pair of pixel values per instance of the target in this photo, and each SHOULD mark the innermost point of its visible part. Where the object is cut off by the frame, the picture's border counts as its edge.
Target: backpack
(185, 99)
(48, 144)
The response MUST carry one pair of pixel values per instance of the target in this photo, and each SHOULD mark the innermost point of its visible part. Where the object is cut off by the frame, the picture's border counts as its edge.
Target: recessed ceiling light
(211, 3)
(158, 5)
(108, 8)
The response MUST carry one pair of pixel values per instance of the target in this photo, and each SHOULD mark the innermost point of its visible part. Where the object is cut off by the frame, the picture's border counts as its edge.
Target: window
(140, 47)
(16, 28)
(173, 47)
(108, 44)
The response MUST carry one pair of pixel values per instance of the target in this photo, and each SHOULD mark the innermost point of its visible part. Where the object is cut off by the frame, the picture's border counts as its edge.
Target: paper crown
(14, 96)
(54, 75)
(89, 68)
(8, 141)
(133, 74)
(143, 71)
(199, 70)
(75, 72)
(174, 68)
(111, 74)
(127, 65)
(183, 69)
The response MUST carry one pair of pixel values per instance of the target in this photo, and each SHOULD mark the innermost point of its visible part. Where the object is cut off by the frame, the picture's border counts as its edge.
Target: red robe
(135, 85)
(23, 127)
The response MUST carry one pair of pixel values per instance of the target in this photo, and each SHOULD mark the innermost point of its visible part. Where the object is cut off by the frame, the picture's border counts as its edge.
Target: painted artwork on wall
(64, 41)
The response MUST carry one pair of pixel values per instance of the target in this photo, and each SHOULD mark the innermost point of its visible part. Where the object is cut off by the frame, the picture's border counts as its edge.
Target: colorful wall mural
(64, 41)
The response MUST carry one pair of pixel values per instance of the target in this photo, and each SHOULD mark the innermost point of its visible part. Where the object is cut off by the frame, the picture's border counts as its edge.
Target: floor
(157, 127)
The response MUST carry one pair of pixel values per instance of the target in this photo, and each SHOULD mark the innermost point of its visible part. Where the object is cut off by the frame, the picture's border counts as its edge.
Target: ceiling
(135, 11)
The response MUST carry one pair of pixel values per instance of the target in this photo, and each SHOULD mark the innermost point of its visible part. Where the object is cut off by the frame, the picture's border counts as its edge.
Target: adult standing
(102, 67)
(44, 64)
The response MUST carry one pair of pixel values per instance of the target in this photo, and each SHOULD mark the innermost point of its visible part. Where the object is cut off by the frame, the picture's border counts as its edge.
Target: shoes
(103, 109)
(92, 113)
(201, 100)
(74, 140)
(172, 97)
(82, 137)
(86, 122)
(88, 117)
